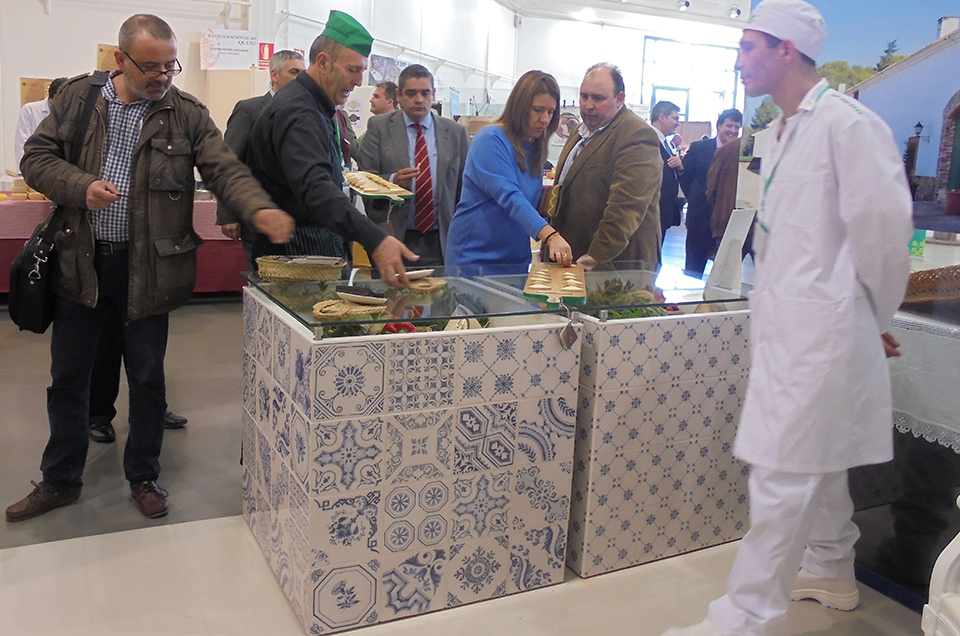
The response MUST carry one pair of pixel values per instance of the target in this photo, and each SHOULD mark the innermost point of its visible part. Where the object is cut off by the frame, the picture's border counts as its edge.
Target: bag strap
(97, 80)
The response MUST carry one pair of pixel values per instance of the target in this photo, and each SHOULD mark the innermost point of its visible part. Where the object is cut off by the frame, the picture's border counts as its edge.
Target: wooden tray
(374, 186)
(280, 269)
(553, 284)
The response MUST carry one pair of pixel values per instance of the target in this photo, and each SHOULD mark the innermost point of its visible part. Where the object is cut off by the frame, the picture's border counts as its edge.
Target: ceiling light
(683, 5)
(734, 12)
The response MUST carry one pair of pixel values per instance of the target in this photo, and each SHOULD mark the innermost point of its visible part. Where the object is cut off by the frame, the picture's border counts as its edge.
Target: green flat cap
(343, 28)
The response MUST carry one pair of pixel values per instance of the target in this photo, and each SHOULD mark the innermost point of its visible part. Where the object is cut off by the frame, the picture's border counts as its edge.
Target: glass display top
(613, 290)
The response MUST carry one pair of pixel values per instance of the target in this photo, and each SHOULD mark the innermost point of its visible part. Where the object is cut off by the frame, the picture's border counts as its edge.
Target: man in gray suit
(284, 66)
(434, 175)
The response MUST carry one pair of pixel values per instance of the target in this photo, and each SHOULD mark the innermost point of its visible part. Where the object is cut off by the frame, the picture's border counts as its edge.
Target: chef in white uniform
(832, 240)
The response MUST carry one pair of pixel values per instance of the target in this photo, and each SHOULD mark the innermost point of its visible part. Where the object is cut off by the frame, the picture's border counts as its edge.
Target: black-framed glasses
(152, 74)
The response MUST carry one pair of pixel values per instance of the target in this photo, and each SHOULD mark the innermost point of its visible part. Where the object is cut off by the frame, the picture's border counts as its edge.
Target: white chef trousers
(796, 519)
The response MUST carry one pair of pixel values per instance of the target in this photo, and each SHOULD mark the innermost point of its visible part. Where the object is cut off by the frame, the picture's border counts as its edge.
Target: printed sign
(228, 50)
(266, 52)
(106, 58)
(33, 89)
(384, 69)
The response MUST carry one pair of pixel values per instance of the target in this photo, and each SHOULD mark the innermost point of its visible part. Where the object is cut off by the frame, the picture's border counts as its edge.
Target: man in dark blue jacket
(696, 165)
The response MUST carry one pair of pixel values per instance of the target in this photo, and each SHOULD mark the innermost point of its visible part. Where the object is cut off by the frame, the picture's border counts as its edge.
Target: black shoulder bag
(31, 300)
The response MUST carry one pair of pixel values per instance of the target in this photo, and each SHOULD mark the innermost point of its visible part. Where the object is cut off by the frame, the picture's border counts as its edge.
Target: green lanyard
(773, 173)
(339, 142)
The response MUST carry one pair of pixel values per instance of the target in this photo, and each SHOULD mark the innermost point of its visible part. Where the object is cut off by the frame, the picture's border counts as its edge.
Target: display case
(661, 387)
(906, 508)
(387, 475)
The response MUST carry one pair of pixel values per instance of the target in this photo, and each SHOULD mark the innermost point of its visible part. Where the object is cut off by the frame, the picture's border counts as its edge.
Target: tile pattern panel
(653, 474)
(376, 490)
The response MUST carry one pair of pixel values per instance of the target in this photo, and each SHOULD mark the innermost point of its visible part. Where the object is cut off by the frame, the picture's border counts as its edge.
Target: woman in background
(503, 181)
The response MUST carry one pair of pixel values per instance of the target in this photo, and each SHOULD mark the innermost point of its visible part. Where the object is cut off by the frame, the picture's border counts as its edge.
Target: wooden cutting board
(371, 185)
(553, 284)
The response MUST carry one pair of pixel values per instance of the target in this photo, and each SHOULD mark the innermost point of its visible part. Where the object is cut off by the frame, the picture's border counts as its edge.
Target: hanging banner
(228, 50)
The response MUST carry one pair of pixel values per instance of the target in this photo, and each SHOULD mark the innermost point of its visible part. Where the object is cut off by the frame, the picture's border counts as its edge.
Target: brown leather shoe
(38, 502)
(151, 499)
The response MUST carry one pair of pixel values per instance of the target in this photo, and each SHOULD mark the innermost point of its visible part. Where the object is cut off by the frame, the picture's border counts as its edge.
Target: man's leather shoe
(38, 502)
(151, 499)
(101, 430)
(171, 420)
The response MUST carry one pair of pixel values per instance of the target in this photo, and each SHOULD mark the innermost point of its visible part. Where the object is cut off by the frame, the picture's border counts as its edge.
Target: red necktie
(424, 217)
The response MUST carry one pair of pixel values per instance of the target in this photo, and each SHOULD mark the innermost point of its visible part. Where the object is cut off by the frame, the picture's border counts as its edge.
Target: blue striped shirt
(123, 131)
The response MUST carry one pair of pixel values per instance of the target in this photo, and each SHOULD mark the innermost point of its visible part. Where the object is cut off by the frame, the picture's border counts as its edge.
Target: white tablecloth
(926, 379)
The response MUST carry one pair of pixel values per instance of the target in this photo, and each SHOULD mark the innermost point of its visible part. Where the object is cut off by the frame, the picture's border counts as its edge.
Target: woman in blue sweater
(502, 183)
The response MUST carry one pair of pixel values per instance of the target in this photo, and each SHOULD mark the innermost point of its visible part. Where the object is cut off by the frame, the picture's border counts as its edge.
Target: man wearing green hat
(295, 151)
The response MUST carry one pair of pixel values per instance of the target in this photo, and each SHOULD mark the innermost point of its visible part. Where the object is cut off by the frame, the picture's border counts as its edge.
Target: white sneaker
(841, 594)
(706, 628)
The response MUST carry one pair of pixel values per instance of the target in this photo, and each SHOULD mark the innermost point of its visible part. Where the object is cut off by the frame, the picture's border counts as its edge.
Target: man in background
(31, 114)
(391, 148)
(611, 172)
(384, 99)
(696, 165)
(665, 117)
(284, 66)
(722, 181)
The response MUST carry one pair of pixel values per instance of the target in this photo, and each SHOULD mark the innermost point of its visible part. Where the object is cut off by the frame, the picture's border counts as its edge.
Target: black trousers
(105, 379)
(73, 348)
(426, 245)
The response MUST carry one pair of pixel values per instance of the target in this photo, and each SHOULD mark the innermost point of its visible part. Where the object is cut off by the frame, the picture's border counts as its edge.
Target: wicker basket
(277, 269)
(929, 285)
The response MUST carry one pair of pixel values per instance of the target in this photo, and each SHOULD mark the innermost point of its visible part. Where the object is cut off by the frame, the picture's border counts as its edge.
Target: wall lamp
(683, 5)
(734, 12)
(919, 129)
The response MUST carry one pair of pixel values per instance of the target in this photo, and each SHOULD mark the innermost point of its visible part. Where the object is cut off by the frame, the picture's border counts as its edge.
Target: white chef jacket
(832, 265)
(31, 114)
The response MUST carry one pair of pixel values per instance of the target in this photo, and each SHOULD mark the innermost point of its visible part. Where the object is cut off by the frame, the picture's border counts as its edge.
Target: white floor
(98, 568)
(208, 577)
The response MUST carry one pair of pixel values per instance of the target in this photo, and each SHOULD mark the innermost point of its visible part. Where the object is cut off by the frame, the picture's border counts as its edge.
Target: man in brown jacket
(126, 243)
(722, 191)
(610, 169)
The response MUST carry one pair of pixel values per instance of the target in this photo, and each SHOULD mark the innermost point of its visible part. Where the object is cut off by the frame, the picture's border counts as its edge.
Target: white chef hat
(793, 20)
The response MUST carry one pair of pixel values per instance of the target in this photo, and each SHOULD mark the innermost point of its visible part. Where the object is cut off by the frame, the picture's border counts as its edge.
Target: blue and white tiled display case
(658, 407)
(387, 476)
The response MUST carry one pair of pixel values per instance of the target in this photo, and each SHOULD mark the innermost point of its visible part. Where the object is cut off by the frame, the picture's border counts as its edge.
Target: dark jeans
(105, 380)
(699, 247)
(73, 347)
